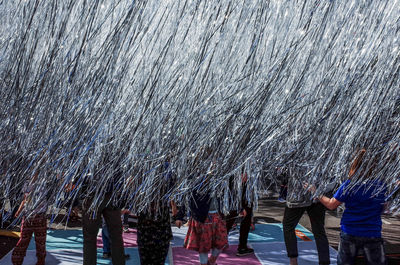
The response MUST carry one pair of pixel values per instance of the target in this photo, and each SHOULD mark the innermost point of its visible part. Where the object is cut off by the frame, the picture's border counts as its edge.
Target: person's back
(298, 201)
(91, 221)
(361, 224)
(364, 206)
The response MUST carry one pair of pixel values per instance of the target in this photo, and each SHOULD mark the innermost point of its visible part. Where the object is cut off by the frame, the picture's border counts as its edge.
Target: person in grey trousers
(112, 217)
(91, 221)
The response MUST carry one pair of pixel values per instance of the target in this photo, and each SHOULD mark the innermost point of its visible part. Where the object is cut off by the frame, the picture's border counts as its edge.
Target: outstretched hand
(178, 223)
(309, 187)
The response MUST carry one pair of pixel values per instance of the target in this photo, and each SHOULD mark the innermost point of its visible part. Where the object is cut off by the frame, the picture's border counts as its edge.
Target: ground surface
(271, 211)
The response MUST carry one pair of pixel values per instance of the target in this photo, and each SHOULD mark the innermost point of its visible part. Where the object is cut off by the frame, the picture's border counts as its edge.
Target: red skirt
(202, 237)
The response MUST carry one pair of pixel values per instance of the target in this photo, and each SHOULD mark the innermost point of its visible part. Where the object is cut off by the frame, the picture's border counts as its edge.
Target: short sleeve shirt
(364, 206)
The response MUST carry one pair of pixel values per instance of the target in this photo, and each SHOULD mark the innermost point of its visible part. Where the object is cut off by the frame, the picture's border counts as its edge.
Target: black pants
(91, 226)
(291, 218)
(244, 225)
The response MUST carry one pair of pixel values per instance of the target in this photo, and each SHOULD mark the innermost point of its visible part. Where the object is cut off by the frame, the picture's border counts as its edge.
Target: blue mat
(269, 233)
(72, 257)
(274, 253)
(61, 239)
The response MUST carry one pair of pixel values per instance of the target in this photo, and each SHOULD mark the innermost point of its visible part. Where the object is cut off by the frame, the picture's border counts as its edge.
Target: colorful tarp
(65, 247)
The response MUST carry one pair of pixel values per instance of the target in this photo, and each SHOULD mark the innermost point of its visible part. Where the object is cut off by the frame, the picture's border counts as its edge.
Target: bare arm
(21, 207)
(175, 211)
(330, 203)
(174, 208)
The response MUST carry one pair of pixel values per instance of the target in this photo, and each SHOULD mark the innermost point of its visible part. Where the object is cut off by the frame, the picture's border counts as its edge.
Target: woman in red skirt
(207, 229)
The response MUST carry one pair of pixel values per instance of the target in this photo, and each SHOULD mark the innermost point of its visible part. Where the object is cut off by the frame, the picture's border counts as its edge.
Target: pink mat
(183, 256)
(129, 239)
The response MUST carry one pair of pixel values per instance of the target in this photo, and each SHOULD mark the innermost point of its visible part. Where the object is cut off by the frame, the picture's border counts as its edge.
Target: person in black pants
(91, 218)
(245, 224)
(297, 203)
(291, 218)
(112, 216)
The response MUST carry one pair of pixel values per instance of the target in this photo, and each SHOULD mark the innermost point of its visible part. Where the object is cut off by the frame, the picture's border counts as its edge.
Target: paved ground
(271, 211)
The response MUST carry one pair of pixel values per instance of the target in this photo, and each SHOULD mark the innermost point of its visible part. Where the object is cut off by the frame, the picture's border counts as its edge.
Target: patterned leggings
(153, 241)
(36, 224)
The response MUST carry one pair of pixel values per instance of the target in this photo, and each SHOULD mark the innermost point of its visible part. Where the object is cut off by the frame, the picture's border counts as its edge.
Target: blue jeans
(350, 245)
(106, 238)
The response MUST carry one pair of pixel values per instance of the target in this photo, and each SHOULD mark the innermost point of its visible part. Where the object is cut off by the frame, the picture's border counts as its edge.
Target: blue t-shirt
(364, 206)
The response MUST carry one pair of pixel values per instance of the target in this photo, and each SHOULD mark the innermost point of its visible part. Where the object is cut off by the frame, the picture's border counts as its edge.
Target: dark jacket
(244, 202)
(199, 205)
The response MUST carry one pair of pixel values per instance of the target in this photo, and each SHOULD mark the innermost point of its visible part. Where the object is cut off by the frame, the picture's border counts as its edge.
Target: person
(361, 223)
(154, 231)
(154, 234)
(298, 202)
(91, 221)
(90, 227)
(282, 175)
(125, 220)
(72, 203)
(245, 223)
(105, 236)
(207, 228)
(33, 222)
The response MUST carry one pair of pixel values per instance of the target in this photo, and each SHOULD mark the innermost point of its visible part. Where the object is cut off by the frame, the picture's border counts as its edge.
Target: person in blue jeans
(361, 223)
(105, 236)
(106, 241)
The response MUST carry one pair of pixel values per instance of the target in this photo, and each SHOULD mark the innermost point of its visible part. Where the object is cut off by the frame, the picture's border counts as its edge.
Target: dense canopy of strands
(100, 95)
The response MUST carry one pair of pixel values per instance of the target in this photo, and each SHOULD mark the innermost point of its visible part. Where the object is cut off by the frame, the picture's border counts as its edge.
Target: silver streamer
(100, 94)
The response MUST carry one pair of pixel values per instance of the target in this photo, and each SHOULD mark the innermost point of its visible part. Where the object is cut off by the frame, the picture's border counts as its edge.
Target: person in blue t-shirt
(361, 223)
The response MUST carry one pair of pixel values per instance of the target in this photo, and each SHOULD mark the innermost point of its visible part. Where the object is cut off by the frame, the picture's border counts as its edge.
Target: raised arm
(21, 207)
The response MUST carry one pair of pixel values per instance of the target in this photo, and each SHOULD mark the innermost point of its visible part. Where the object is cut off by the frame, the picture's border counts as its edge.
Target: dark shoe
(106, 255)
(244, 252)
(127, 256)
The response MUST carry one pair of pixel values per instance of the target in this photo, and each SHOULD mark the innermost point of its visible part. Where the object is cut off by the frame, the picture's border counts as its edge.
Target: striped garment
(34, 224)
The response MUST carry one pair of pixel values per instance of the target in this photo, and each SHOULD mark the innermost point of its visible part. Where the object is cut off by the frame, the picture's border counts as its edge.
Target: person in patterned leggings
(33, 222)
(153, 237)
(154, 231)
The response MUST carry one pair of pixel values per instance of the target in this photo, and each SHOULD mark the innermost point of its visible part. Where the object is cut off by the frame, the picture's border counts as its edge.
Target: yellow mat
(10, 233)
